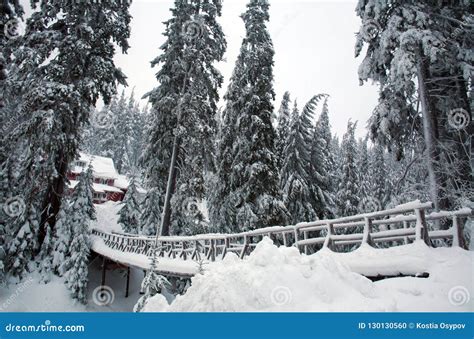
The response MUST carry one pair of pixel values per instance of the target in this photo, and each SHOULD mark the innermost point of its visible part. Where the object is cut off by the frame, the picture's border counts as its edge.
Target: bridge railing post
(458, 239)
(305, 236)
(245, 246)
(328, 243)
(297, 238)
(366, 237)
(226, 247)
(421, 229)
(405, 226)
(213, 250)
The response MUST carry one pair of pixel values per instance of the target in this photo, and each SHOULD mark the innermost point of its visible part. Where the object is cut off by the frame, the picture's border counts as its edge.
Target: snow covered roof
(122, 181)
(98, 188)
(103, 167)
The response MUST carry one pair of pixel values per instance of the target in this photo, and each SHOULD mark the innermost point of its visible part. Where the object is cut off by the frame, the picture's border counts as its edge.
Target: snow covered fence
(401, 225)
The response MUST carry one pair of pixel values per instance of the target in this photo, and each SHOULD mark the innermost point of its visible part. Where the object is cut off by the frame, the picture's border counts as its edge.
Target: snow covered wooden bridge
(179, 255)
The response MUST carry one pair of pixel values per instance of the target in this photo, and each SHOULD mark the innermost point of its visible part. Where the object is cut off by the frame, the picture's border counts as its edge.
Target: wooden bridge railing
(401, 225)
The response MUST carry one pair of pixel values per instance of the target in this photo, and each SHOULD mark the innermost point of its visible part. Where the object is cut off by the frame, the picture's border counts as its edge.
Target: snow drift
(282, 279)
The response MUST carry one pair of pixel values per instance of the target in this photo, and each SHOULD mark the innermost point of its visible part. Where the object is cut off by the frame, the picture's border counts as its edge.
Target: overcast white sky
(314, 52)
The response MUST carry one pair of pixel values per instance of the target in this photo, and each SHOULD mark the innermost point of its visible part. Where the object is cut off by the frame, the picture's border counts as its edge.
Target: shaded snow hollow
(281, 279)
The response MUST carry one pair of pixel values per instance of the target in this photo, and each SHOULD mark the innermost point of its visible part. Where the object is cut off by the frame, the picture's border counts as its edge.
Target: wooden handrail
(214, 246)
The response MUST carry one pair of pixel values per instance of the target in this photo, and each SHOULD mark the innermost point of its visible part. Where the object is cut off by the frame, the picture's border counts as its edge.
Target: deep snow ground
(277, 279)
(281, 279)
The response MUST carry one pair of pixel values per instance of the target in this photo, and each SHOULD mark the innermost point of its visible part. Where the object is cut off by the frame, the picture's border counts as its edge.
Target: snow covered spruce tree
(367, 202)
(347, 197)
(322, 167)
(45, 257)
(129, 214)
(421, 54)
(224, 200)
(63, 64)
(284, 116)
(22, 248)
(295, 178)
(184, 108)
(150, 218)
(10, 13)
(63, 238)
(80, 214)
(254, 194)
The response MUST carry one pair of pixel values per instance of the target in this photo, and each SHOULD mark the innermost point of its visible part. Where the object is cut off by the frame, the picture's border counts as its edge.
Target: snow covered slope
(281, 279)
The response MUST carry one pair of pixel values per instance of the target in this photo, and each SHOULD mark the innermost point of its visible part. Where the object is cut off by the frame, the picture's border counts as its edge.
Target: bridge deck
(403, 229)
(166, 266)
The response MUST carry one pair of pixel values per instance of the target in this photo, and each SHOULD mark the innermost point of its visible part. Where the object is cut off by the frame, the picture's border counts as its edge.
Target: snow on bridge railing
(401, 225)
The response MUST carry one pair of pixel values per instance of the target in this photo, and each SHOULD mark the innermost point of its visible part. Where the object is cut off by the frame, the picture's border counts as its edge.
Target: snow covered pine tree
(184, 109)
(82, 211)
(129, 214)
(253, 194)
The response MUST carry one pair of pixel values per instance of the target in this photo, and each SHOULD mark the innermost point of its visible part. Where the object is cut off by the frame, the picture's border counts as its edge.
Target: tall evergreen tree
(223, 201)
(151, 216)
(421, 54)
(64, 63)
(24, 244)
(129, 214)
(184, 105)
(347, 197)
(284, 117)
(255, 195)
(11, 12)
(76, 265)
(63, 238)
(45, 257)
(364, 179)
(294, 176)
(380, 185)
(322, 167)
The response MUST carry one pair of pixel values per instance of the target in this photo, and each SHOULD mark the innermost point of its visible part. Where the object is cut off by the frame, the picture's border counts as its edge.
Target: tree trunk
(170, 188)
(52, 201)
(430, 129)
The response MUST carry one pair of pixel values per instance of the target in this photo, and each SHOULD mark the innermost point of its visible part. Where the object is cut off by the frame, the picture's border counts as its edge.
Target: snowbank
(281, 279)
